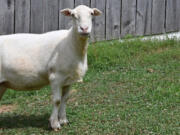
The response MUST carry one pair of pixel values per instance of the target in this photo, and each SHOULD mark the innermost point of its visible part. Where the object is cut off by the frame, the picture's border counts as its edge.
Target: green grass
(131, 88)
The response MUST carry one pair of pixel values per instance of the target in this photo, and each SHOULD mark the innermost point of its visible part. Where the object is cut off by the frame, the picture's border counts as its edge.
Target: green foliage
(132, 87)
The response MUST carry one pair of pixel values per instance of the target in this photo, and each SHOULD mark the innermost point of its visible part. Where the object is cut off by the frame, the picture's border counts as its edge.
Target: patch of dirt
(72, 98)
(160, 50)
(150, 70)
(73, 91)
(7, 108)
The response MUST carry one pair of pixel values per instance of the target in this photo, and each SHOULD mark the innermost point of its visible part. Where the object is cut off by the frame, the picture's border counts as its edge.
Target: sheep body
(59, 58)
(24, 62)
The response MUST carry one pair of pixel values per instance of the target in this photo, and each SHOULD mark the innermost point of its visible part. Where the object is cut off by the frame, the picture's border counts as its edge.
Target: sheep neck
(80, 43)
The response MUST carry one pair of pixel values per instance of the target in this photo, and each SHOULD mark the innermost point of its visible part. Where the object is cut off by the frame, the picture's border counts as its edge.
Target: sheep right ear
(66, 12)
(96, 12)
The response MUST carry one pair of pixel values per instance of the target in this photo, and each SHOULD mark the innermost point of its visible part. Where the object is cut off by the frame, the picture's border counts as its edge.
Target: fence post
(113, 17)
(22, 16)
(65, 22)
(6, 16)
(99, 29)
(128, 17)
(158, 17)
(143, 17)
(172, 15)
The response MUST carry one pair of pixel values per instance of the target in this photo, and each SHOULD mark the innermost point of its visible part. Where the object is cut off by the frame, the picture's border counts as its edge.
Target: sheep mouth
(84, 34)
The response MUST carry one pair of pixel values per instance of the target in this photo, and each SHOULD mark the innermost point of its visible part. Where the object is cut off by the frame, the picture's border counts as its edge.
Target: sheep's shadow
(23, 121)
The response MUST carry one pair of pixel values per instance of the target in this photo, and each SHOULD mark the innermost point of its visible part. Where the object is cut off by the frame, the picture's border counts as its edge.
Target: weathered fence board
(36, 16)
(158, 16)
(143, 17)
(65, 22)
(128, 17)
(171, 16)
(178, 13)
(99, 29)
(22, 16)
(50, 19)
(82, 2)
(113, 15)
(6, 16)
(119, 18)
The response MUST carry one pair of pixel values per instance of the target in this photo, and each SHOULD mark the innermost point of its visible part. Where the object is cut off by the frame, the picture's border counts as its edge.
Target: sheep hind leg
(2, 90)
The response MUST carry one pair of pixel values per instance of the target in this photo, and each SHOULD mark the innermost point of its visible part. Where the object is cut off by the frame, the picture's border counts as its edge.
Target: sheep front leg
(62, 110)
(56, 99)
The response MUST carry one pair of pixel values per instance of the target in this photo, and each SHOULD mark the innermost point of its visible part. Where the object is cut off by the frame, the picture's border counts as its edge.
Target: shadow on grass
(23, 121)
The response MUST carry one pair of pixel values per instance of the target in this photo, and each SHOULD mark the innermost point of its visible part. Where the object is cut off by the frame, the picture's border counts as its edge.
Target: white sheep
(58, 58)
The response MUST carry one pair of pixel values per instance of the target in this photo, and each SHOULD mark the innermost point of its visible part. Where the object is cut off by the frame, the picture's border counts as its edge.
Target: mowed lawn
(131, 88)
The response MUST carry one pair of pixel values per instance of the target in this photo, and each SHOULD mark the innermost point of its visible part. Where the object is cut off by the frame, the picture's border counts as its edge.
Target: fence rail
(120, 17)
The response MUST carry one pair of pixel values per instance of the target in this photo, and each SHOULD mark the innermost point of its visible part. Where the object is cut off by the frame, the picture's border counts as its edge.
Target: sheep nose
(84, 29)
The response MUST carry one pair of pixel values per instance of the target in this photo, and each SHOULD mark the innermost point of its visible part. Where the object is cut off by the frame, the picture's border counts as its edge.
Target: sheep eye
(73, 15)
(92, 13)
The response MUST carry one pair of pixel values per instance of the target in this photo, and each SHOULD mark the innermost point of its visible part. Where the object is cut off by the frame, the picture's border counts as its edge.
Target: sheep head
(82, 18)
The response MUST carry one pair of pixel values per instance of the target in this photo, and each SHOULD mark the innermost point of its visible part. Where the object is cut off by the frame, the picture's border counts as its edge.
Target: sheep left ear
(96, 12)
(66, 12)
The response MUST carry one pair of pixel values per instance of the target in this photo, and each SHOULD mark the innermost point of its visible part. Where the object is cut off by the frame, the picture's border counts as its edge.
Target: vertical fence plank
(36, 16)
(6, 16)
(143, 17)
(51, 13)
(64, 21)
(99, 28)
(82, 2)
(128, 17)
(113, 9)
(158, 16)
(178, 15)
(22, 16)
(171, 16)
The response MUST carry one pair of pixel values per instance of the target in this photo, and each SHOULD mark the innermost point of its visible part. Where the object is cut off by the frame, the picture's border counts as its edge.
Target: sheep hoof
(80, 81)
(63, 122)
(56, 130)
(55, 125)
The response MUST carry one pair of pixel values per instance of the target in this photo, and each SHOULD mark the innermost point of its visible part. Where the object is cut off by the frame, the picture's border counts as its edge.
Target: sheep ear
(66, 12)
(96, 12)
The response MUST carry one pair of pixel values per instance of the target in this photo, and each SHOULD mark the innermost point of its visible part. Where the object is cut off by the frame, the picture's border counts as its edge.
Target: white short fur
(58, 58)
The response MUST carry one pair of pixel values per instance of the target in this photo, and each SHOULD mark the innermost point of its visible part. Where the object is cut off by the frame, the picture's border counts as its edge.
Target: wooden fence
(120, 17)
